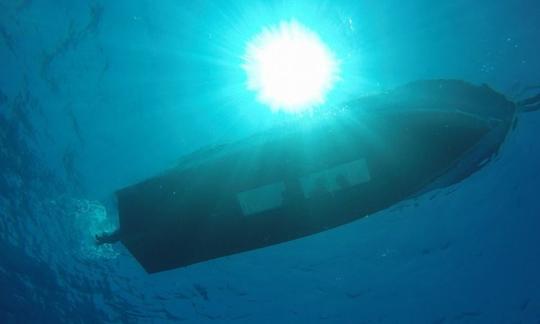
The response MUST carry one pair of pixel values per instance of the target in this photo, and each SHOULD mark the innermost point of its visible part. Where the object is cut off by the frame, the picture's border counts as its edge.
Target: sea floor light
(289, 67)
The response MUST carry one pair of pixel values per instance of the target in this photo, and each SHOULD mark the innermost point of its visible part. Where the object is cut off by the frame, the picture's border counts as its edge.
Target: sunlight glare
(290, 68)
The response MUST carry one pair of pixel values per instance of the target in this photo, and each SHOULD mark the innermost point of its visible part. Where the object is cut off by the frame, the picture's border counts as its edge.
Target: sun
(290, 68)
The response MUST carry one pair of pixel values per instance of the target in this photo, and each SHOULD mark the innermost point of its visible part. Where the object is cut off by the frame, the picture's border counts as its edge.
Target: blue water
(98, 95)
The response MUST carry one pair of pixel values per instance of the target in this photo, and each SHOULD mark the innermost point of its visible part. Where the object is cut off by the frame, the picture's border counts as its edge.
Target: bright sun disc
(289, 67)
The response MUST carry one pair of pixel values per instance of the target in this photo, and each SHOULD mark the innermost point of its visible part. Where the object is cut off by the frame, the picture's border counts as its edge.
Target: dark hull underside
(303, 181)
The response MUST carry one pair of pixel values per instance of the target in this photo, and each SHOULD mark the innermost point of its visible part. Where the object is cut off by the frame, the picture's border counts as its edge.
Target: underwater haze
(99, 95)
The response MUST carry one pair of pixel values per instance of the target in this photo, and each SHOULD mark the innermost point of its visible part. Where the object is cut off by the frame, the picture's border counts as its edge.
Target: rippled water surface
(97, 95)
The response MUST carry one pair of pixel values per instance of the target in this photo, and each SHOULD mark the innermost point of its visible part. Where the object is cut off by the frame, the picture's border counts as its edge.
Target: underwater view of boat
(309, 177)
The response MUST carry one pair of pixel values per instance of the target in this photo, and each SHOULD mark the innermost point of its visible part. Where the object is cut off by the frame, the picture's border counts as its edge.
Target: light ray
(290, 68)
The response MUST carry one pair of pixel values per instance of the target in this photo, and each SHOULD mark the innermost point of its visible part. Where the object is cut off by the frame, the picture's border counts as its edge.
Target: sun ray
(290, 68)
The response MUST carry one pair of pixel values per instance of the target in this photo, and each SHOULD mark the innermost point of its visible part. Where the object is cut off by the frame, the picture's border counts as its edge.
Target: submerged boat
(313, 176)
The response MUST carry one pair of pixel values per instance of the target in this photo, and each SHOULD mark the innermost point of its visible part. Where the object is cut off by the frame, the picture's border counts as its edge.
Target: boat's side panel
(444, 95)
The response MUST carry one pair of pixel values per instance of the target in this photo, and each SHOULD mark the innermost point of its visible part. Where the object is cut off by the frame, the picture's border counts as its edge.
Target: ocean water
(97, 95)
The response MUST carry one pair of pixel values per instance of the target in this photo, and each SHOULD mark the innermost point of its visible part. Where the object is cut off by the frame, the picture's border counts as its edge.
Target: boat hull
(304, 180)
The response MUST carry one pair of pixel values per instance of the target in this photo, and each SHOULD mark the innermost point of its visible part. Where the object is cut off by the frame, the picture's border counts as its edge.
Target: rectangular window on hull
(261, 198)
(336, 178)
